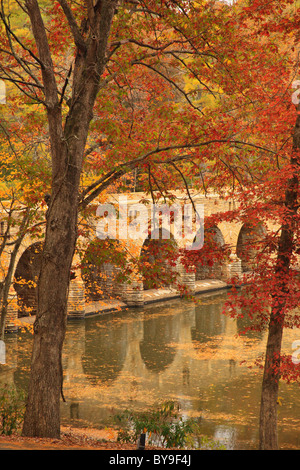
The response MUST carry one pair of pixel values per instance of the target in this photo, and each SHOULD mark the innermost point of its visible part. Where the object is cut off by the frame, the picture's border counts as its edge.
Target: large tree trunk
(268, 434)
(43, 406)
(42, 416)
(268, 438)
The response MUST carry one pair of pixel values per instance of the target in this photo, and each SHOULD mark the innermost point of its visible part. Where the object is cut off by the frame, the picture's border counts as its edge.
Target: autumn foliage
(163, 96)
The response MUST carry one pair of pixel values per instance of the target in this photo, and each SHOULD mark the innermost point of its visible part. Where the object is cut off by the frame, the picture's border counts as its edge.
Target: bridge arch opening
(249, 245)
(158, 259)
(26, 277)
(210, 262)
(102, 265)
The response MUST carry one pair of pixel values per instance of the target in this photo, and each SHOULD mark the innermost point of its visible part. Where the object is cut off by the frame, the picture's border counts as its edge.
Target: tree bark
(268, 433)
(42, 416)
(9, 275)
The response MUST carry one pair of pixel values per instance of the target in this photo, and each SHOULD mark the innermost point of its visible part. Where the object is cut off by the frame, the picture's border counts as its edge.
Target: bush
(163, 427)
(12, 409)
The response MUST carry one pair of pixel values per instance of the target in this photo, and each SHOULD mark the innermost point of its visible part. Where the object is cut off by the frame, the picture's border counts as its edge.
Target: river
(175, 350)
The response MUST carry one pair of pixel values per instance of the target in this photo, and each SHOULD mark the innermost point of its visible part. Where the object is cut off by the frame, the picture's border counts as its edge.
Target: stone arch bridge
(84, 299)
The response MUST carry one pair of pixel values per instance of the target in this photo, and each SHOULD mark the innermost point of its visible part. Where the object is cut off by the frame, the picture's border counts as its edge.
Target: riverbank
(154, 295)
(201, 287)
(151, 296)
(71, 439)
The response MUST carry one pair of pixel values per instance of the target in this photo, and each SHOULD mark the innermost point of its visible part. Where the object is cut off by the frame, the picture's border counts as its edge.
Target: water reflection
(105, 352)
(158, 334)
(176, 350)
(243, 326)
(209, 323)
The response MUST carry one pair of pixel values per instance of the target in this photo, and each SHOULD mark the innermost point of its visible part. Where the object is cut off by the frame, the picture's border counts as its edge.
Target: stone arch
(99, 273)
(248, 244)
(155, 252)
(25, 279)
(210, 264)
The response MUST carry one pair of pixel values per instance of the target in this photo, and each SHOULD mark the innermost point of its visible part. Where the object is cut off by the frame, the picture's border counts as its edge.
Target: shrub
(12, 409)
(163, 427)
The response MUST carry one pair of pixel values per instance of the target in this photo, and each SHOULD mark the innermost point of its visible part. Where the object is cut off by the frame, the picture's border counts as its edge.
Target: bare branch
(65, 85)
(11, 33)
(78, 38)
(40, 36)
(168, 79)
(92, 191)
(186, 185)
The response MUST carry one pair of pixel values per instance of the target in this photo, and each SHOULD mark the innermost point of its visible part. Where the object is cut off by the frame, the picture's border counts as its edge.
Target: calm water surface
(175, 350)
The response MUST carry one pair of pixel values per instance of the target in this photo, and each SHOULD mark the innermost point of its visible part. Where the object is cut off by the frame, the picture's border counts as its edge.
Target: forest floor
(71, 439)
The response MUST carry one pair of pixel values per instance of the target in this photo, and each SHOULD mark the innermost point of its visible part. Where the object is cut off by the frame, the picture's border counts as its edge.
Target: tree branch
(11, 33)
(39, 32)
(98, 186)
(78, 38)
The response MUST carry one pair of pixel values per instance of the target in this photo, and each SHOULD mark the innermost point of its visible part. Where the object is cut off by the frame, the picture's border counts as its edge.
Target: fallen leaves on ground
(71, 439)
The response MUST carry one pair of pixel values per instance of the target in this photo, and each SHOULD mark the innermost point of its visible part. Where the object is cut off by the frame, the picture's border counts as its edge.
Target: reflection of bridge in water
(167, 351)
(95, 288)
(172, 350)
(132, 360)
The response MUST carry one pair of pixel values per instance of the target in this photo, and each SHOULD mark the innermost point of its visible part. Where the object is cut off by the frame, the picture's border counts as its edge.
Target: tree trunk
(42, 416)
(268, 435)
(9, 275)
(269, 395)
